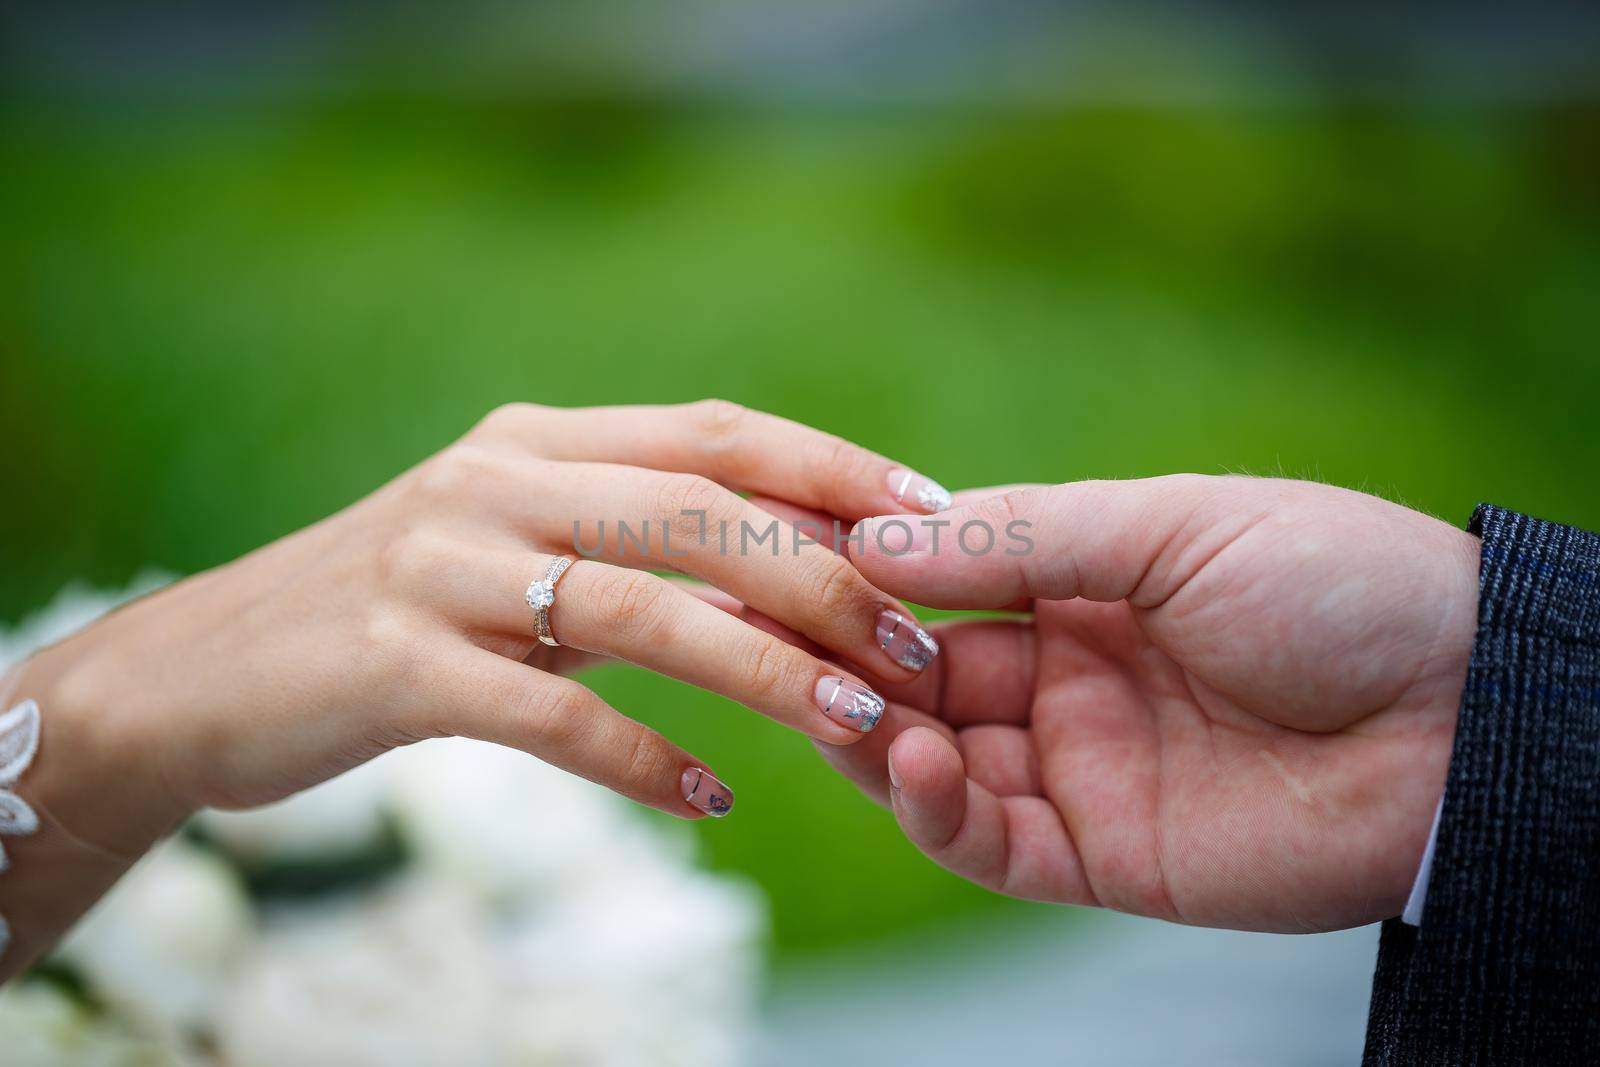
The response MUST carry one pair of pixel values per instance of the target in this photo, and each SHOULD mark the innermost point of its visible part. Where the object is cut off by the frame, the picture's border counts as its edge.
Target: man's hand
(1233, 704)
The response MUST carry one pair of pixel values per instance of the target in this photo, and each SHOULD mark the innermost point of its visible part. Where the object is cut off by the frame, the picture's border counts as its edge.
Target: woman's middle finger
(646, 620)
(656, 624)
(646, 518)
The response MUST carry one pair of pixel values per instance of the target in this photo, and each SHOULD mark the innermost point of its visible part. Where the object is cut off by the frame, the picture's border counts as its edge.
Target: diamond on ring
(541, 597)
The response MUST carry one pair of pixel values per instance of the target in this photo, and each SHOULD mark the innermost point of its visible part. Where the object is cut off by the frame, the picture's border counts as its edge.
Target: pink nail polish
(903, 641)
(912, 490)
(707, 792)
(848, 703)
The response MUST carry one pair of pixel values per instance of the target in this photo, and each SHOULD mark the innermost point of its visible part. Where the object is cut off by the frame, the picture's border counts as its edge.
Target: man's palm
(1242, 717)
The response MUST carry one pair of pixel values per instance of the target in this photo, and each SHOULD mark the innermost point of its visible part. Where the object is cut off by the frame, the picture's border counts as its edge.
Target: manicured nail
(707, 792)
(914, 491)
(848, 703)
(903, 641)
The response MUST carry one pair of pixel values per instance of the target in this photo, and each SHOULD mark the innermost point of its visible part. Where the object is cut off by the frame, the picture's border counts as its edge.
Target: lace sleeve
(19, 740)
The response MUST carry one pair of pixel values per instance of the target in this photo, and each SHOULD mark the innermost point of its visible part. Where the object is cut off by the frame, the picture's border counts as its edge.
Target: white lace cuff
(19, 740)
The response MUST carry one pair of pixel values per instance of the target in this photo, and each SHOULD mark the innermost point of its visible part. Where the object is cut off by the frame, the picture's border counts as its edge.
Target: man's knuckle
(1017, 505)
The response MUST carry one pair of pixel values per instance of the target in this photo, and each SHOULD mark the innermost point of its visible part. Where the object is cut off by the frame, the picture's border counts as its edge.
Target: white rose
(500, 820)
(159, 946)
(400, 978)
(340, 816)
(614, 951)
(650, 962)
(42, 1027)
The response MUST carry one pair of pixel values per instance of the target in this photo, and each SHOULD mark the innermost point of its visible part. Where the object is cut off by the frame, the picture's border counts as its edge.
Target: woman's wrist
(94, 796)
(101, 771)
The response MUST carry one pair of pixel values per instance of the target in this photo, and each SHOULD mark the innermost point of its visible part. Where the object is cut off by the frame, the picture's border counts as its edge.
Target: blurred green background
(227, 312)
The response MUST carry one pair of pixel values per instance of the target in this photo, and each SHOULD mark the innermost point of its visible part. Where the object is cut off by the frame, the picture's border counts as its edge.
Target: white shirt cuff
(1419, 888)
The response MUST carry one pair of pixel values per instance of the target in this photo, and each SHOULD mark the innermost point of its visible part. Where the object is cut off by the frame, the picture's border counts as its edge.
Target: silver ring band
(541, 597)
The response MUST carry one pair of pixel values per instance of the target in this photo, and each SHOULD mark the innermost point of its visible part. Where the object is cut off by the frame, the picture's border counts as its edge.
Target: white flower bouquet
(453, 903)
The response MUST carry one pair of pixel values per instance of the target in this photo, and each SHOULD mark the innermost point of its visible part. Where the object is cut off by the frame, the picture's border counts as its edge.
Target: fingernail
(894, 775)
(903, 641)
(707, 792)
(848, 703)
(914, 491)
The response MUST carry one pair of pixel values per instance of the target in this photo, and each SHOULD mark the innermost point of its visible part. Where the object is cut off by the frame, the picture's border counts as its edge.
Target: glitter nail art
(903, 641)
(707, 792)
(914, 490)
(849, 703)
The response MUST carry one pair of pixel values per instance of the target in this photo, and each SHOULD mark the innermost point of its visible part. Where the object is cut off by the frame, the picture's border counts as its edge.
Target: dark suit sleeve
(1505, 967)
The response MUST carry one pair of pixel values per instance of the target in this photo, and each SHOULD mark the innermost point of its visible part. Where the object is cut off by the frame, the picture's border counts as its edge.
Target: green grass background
(220, 323)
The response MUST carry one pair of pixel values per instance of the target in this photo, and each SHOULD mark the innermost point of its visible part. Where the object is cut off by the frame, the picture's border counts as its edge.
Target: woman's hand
(403, 618)
(1233, 705)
